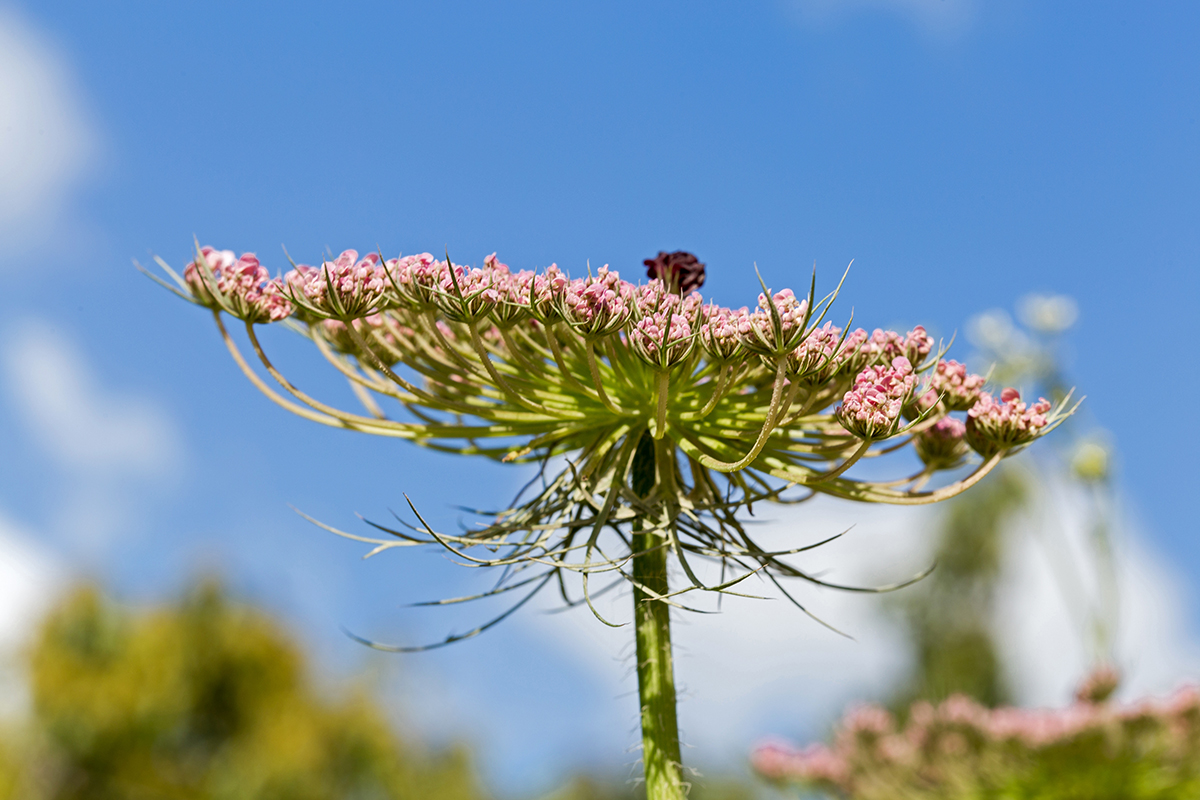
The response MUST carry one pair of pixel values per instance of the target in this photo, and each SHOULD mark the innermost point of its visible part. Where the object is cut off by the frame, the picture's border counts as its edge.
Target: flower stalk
(661, 758)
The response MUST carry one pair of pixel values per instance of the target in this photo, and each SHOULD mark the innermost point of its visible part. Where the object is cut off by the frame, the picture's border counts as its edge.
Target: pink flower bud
(995, 426)
(719, 333)
(345, 288)
(596, 306)
(872, 408)
(942, 446)
(958, 390)
(774, 333)
(242, 286)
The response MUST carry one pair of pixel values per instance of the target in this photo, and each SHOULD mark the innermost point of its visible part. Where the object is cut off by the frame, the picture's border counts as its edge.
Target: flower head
(241, 286)
(958, 390)
(662, 338)
(416, 280)
(467, 295)
(719, 333)
(596, 306)
(345, 288)
(814, 356)
(681, 271)
(871, 409)
(776, 326)
(943, 444)
(882, 346)
(995, 426)
(546, 293)
(512, 292)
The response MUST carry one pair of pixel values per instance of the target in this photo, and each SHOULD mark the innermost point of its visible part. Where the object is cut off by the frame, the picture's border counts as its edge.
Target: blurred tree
(949, 616)
(205, 700)
(209, 699)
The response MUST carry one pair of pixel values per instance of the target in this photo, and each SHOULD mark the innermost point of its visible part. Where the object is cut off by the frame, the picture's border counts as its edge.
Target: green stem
(656, 675)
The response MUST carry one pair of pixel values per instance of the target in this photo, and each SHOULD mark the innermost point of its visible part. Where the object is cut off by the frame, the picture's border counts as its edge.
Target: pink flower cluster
(762, 333)
(513, 292)
(345, 288)
(662, 331)
(871, 409)
(597, 306)
(943, 445)
(469, 294)
(417, 279)
(241, 286)
(815, 355)
(961, 748)
(994, 426)
(958, 390)
(719, 334)
(662, 338)
(546, 293)
(883, 346)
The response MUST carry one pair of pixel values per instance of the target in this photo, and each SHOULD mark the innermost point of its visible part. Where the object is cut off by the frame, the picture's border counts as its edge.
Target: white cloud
(30, 581)
(102, 439)
(941, 19)
(46, 142)
(1050, 597)
(762, 668)
(80, 422)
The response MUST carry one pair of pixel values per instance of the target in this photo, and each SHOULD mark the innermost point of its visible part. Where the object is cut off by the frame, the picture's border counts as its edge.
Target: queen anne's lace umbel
(668, 408)
(666, 417)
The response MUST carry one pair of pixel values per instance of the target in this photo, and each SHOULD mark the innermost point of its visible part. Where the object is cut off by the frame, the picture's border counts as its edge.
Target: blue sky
(964, 154)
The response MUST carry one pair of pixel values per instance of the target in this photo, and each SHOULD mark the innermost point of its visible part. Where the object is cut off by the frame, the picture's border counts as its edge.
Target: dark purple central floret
(681, 270)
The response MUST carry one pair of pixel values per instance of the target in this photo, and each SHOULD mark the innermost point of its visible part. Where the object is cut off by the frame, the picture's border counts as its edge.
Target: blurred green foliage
(210, 699)
(950, 614)
(207, 700)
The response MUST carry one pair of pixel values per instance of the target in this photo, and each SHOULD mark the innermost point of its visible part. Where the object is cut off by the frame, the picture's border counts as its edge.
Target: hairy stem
(656, 674)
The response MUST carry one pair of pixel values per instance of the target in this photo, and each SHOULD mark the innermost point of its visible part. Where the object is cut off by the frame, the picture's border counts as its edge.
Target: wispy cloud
(102, 439)
(46, 139)
(82, 423)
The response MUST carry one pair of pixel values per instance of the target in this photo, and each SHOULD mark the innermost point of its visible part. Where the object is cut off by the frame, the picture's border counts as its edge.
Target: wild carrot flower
(669, 415)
